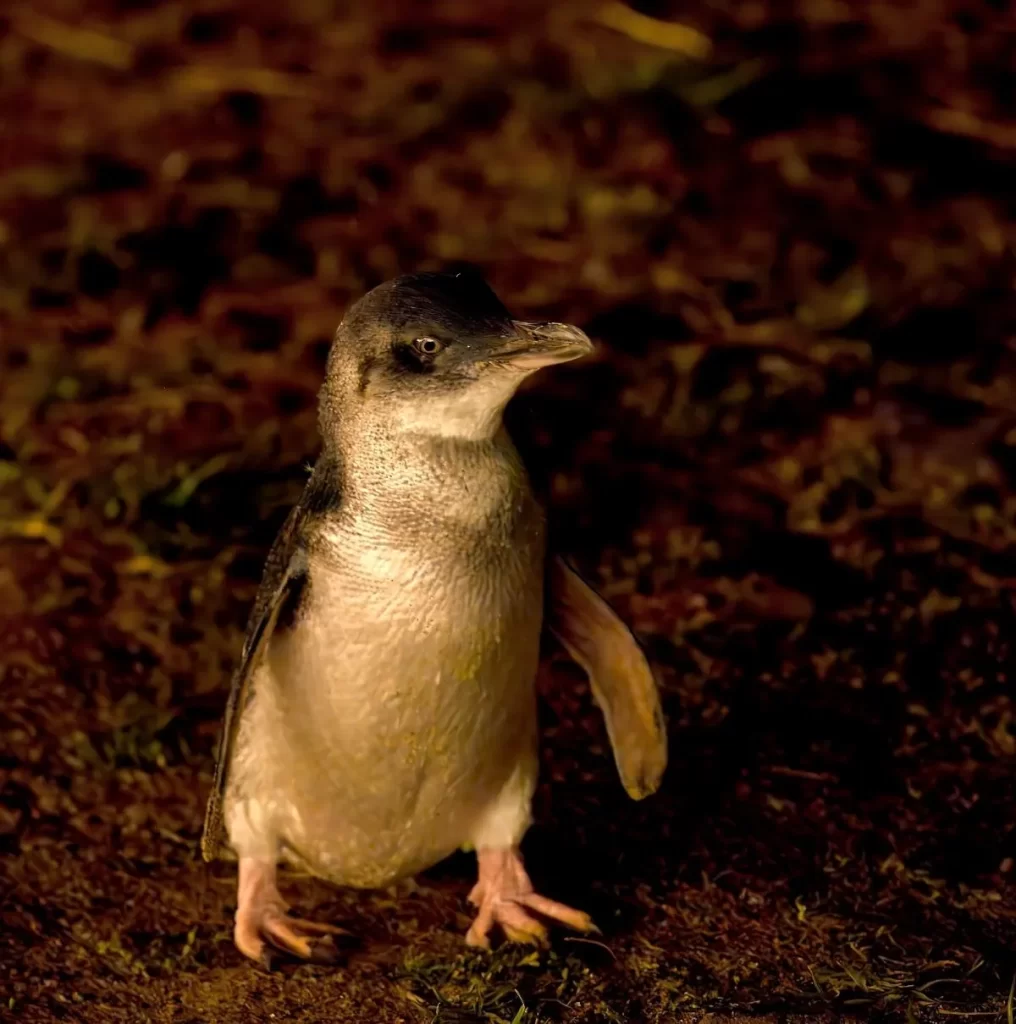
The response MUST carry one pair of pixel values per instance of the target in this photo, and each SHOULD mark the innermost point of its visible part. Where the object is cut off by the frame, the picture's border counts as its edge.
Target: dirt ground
(791, 466)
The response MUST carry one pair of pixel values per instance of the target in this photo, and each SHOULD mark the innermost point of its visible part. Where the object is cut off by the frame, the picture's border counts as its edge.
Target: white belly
(386, 724)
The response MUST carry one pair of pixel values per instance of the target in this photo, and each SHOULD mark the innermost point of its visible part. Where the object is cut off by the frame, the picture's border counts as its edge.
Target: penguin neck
(387, 462)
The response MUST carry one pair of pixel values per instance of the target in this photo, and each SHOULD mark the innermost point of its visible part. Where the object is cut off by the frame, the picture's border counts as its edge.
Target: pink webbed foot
(263, 923)
(505, 897)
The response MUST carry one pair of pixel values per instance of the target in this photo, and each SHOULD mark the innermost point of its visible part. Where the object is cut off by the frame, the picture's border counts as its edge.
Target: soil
(791, 467)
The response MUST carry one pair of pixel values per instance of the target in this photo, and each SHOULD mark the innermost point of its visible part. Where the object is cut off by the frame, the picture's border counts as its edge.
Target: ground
(791, 467)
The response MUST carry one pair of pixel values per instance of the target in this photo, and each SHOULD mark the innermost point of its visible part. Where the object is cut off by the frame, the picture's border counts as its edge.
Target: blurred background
(791, 466)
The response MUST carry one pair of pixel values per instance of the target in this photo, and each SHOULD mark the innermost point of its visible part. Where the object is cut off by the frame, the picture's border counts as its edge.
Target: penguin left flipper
(621, 680)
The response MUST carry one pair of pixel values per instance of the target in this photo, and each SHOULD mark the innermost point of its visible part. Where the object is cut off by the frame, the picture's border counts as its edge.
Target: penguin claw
(274, 936)
(264, 930)
(505, 897)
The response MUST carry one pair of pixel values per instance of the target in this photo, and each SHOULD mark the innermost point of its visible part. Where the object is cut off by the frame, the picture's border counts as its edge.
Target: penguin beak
(542, 344)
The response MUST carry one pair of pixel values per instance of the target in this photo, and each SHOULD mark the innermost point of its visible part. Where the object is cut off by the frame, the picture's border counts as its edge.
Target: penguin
(383, 714)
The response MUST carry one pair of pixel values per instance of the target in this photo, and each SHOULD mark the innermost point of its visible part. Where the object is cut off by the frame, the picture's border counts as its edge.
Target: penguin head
(439, 353)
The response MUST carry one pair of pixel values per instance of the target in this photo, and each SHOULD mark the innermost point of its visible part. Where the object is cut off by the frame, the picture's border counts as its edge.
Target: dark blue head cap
(459, 303)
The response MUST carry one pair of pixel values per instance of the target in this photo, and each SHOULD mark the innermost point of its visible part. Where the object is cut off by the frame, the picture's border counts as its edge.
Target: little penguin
(383, 714)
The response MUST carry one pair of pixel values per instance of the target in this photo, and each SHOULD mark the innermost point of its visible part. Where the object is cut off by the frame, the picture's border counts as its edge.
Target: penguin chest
(403, 699)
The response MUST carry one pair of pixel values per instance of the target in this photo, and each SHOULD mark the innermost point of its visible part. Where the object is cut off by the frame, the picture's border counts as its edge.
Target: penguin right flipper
(283, 587)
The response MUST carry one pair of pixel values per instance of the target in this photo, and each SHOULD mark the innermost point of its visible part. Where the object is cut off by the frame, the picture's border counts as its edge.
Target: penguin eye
(428, 346)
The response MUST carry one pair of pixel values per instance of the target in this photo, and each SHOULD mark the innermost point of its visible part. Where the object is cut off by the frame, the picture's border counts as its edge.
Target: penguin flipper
(619, 675)
(283, 586)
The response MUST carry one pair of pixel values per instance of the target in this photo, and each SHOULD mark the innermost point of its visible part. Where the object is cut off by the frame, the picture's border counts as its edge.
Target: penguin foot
(264, 928)
(505, 897)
